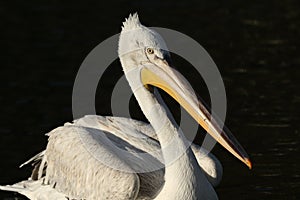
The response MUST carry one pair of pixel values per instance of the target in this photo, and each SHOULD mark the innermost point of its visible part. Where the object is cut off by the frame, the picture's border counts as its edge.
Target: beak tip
(248, 163)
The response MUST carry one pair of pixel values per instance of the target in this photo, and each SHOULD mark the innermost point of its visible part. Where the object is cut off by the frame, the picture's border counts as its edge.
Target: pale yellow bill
(150, 78)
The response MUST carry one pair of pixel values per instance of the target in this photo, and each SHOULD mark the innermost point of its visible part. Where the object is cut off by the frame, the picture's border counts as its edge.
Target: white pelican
(69, 168)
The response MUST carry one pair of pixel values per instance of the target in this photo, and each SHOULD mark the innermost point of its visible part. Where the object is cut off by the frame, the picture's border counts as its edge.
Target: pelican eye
(150, 50)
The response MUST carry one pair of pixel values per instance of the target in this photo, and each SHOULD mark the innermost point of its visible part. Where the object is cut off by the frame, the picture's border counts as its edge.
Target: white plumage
(80, 168)
(139, 162)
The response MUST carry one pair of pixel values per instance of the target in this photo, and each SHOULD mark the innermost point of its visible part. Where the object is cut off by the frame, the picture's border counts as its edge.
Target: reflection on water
(255, 46)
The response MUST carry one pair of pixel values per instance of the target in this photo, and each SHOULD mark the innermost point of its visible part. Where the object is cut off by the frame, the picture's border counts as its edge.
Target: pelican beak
(161, 75)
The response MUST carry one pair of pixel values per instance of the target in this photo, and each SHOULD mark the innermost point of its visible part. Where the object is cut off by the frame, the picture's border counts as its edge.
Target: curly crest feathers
(132, 22)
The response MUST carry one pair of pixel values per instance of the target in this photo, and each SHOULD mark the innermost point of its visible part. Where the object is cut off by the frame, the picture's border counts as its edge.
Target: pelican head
(146, 62)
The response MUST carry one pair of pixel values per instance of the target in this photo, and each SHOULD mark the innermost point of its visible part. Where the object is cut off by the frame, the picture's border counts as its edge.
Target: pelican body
(98, 157)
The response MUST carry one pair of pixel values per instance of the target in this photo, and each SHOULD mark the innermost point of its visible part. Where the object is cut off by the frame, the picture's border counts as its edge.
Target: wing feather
(73, 164)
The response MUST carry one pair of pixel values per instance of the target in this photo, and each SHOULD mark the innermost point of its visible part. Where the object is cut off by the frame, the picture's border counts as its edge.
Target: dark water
(255, 45)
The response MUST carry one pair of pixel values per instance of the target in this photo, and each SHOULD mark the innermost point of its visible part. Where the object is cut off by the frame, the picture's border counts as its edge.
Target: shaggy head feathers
(132, 22)
(134, 36)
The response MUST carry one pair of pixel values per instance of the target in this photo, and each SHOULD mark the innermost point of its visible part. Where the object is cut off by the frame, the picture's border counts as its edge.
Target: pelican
(145, 160)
